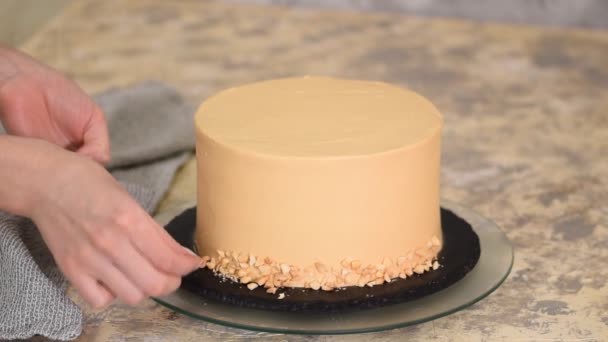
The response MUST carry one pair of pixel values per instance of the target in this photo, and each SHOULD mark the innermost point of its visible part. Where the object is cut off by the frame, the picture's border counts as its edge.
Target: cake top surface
(317, 117)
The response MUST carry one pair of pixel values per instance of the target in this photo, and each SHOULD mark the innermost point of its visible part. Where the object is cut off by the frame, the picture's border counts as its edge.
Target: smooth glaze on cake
(318, 182)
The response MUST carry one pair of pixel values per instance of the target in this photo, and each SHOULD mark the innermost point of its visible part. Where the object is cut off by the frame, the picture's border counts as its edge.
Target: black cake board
(459, 254)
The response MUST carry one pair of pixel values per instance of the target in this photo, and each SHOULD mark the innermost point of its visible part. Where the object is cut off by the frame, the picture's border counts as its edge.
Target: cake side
(274, 218)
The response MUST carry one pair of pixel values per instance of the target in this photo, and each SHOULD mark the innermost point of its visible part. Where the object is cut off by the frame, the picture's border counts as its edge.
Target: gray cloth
(151, 136)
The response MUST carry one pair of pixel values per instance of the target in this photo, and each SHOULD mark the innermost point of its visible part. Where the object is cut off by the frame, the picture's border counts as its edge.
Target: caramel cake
(318, 183)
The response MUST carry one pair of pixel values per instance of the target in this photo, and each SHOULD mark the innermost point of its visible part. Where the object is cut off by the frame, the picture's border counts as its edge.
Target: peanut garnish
(320, 267)
(262, 280)
(204, 261)
(362, 281)
(265, 269)
(255, 271)
(242, 258)
(252, 260)
(435, 265)
(351, 279)
(401, 260)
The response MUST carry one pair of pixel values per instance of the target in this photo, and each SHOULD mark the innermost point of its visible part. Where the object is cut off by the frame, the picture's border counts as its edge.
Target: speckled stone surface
(525, 139)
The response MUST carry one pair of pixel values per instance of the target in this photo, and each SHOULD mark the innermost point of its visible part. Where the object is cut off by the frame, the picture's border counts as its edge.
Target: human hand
(102, 240)
(104, 243)
(37, 101)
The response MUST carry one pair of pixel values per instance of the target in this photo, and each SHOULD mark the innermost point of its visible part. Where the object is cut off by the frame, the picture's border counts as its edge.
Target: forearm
(21, 162)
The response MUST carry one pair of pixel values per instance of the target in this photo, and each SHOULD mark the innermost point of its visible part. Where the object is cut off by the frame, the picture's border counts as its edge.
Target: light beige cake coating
(318, 178)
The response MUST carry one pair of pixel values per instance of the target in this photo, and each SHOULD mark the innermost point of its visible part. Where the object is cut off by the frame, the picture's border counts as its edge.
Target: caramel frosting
(314, 171)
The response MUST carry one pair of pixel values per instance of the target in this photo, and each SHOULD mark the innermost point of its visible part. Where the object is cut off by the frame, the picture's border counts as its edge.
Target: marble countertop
(525, 140)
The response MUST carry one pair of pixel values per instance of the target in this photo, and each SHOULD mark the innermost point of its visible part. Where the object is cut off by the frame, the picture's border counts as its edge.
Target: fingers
(155, 244)
(96, 144)
(140, 271)
(102, 274)
(174, 244)
(93, 292)
(115, 281)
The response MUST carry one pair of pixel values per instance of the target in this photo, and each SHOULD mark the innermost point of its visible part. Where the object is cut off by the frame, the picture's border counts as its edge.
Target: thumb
(96, 141)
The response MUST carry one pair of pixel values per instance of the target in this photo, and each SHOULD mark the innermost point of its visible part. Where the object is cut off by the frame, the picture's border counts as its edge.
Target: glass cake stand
(494, 265)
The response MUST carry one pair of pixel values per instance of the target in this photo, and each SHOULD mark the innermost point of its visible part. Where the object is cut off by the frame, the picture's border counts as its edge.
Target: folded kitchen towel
(151, 136)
